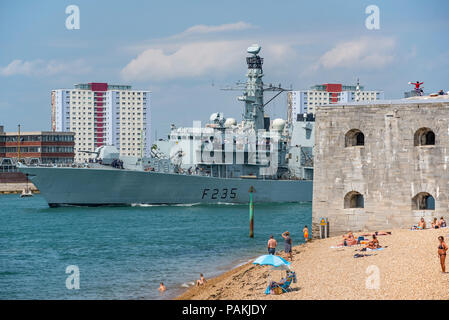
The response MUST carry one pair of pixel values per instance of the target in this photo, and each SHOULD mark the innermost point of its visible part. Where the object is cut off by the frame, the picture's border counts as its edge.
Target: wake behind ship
(217, 163)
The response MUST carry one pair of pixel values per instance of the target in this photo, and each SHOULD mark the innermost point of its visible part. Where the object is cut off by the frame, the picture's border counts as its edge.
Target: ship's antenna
(18, 145)
(357, 91)
(271, 88)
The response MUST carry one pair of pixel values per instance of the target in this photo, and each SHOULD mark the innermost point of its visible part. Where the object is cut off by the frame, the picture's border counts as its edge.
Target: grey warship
(217, 163)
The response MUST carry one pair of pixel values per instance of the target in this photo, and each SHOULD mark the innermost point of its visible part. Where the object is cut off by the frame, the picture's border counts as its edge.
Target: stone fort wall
(388, 170)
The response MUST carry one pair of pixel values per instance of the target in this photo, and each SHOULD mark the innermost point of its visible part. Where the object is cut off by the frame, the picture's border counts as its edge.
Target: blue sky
(185, 51)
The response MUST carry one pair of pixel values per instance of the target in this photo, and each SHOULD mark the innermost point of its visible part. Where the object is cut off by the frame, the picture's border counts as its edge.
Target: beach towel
(378, 249)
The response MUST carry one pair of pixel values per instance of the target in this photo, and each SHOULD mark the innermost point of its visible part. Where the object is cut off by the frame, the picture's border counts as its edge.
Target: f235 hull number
(224, 193)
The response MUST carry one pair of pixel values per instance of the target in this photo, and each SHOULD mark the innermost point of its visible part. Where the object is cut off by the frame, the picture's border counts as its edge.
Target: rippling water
(124, 252)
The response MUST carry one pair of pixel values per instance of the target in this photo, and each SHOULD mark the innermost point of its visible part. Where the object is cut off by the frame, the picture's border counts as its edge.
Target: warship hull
(96, 187)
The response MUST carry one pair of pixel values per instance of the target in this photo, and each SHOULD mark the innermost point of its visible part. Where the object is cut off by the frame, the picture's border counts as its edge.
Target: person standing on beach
(272, 243)
(306, 233)
(442, 249)
(288, 244)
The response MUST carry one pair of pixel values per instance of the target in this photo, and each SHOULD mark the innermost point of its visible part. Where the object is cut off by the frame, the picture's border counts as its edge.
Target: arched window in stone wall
(354, 137)
(424, 137)
(354, 199)
(423, 201)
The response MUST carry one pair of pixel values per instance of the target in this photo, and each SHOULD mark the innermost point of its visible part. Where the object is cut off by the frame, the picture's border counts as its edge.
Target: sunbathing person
(201, 281)
(442, 223)
(280, 282)
(290, 276)
(382, 233)
(435, 224)
(377, 233)
(349, 240)
(373, 244)
(422, 224)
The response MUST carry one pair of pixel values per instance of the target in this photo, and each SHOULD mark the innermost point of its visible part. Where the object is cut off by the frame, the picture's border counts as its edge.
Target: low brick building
(41, 147)
(381, 165)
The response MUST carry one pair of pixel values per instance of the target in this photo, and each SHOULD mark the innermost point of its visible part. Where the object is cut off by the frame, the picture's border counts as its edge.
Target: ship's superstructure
(227, 149)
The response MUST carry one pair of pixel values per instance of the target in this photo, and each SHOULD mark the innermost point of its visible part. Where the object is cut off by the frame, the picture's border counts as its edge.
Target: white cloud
(199, 32)
(44, 68)
(364, 52)
(203, 29)
(195, 59)
(188, 60)
(195, 52)
(19, 67)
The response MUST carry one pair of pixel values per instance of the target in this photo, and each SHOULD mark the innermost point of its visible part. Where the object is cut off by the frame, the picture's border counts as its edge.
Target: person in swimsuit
(377, 233)
(422, 224)
(442, 223)
(373, 244)
(288, 244)
(442, 249)
(272, 243)
(306, 233)
(435, 224)
(202, 281)
(162, 288)
(349, 240)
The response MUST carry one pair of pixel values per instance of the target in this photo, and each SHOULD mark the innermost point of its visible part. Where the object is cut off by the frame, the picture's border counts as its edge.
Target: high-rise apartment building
(305, 101)
(104, 114)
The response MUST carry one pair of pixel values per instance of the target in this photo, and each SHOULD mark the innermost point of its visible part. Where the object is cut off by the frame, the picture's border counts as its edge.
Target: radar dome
(254, 49)
(213, 116)
(278, 124)
(230, 122)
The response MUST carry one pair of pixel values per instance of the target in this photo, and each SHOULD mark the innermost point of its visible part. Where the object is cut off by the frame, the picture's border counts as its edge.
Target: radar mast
(253, 94)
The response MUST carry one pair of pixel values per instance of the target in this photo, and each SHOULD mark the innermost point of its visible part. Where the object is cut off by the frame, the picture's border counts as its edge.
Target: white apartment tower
(104, 114)
(305, 101)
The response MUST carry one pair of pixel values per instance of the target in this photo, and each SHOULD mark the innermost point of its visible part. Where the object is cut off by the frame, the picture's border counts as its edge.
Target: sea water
(125, 252)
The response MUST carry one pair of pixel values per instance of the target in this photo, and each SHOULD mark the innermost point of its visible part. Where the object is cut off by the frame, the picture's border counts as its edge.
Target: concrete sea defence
(15, 182)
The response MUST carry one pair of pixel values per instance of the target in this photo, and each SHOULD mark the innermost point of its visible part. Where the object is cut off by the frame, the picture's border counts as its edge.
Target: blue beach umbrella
(271, 260)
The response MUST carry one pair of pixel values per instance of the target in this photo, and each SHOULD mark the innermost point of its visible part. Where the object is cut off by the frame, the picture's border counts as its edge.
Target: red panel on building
(98, 86)
(333, 87)
(334, 97)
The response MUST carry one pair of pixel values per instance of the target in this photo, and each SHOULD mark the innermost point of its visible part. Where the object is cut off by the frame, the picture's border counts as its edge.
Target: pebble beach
(408, 268)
